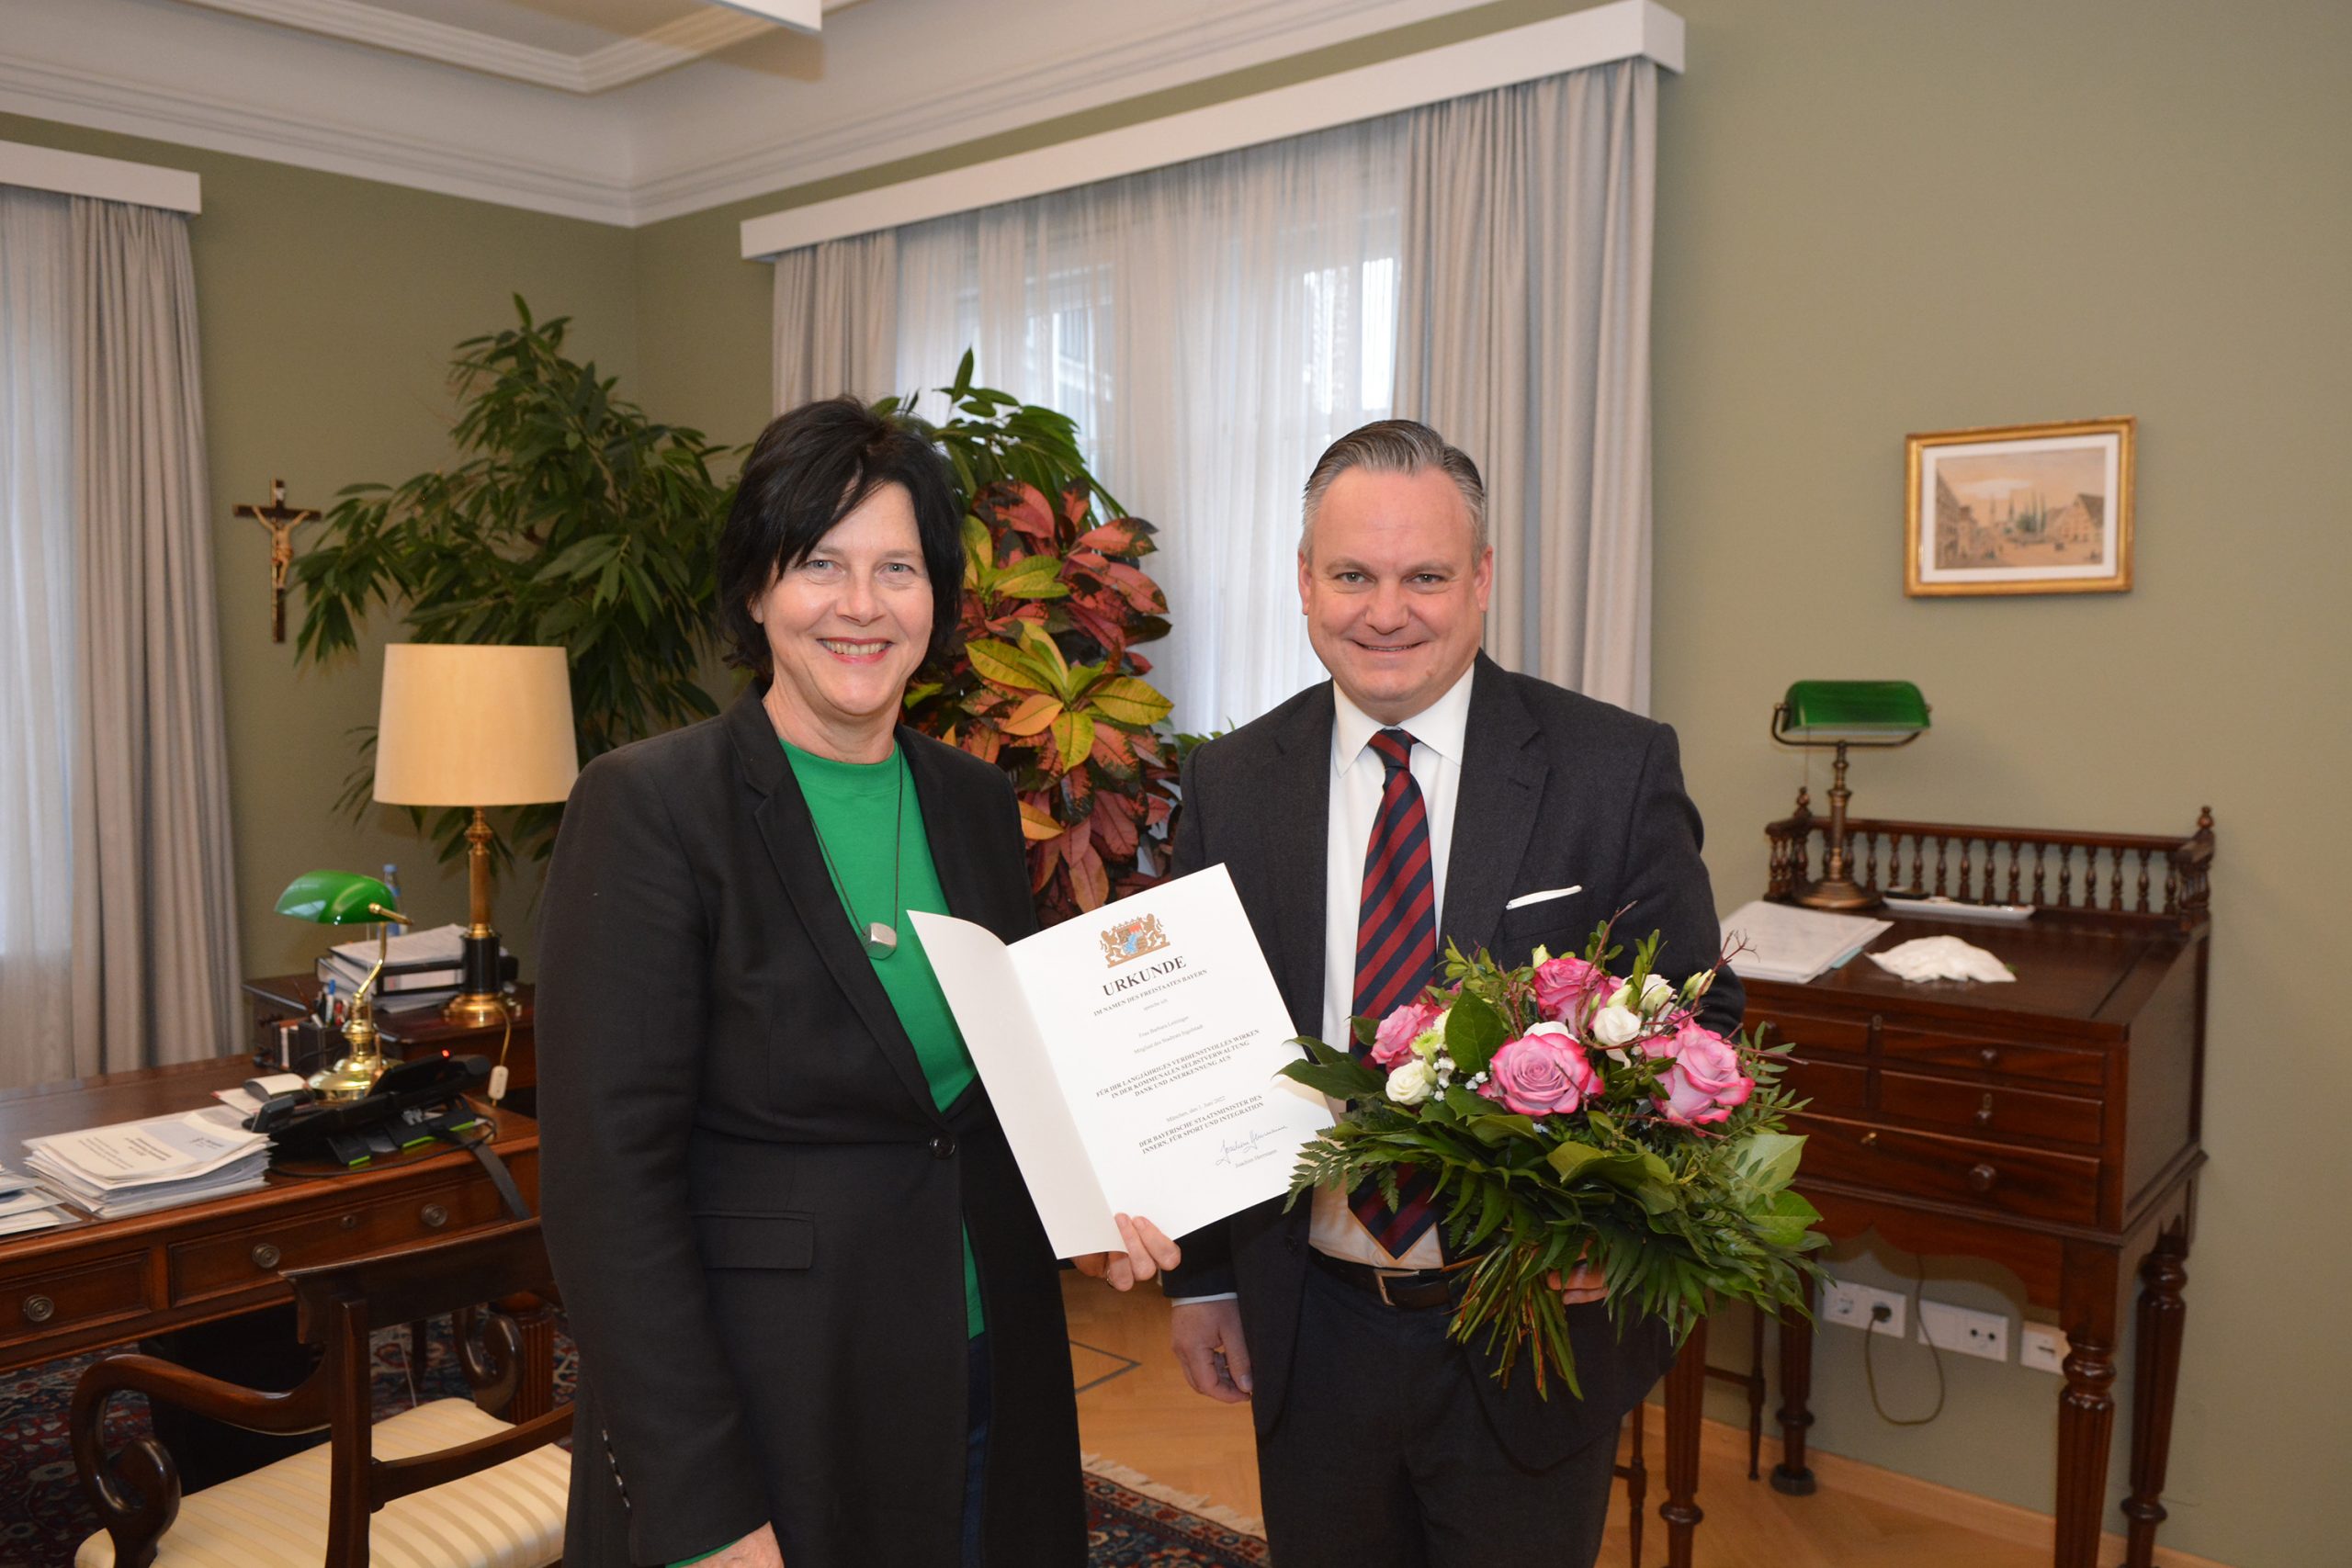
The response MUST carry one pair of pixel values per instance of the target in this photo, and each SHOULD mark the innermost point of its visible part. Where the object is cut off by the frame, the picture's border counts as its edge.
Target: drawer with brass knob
(57, 1301)
(2028, 1183)
(232, 1261)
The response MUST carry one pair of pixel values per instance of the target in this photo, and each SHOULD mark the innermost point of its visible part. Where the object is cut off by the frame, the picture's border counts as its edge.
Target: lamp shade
(465, 724)
(335, 899)
(1871, 709)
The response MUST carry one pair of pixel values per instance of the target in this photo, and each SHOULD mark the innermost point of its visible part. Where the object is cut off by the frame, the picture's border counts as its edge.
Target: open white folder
(1132, 1055)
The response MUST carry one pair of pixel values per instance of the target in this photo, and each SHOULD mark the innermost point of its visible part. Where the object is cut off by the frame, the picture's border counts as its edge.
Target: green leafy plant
(570, 519)
(1045, 683)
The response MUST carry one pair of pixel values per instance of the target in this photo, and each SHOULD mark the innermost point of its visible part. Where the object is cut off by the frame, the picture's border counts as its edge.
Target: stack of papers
(1787, 941)
(25, 1205)
(135, 1167)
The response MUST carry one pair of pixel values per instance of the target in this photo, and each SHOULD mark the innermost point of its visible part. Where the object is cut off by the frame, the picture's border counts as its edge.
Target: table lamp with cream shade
(475, 724)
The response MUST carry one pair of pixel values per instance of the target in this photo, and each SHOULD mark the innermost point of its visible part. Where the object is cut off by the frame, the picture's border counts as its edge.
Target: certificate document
(1132, 1055)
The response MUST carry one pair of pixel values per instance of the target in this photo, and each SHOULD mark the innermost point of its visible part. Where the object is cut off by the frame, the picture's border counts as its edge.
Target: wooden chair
(445, 1484)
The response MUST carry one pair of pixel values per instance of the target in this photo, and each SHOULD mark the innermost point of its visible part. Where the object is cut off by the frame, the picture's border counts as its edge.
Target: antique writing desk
(2049, 1124)
(89, 1283)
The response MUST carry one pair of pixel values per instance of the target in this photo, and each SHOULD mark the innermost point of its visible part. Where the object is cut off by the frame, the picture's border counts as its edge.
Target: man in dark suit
(1422, 794)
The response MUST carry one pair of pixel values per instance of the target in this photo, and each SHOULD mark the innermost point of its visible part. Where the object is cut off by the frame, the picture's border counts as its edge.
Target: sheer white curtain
(1212, 327)
(38, 685)
(117, 912)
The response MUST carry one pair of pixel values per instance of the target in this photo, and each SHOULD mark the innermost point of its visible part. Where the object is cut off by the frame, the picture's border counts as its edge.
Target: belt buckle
(1380, 1284)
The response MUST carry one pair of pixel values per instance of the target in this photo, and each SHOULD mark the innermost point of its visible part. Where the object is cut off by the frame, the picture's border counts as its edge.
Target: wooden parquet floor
(1134, 1409)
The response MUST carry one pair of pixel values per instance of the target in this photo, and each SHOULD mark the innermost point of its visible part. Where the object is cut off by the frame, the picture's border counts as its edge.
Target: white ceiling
(623, 111)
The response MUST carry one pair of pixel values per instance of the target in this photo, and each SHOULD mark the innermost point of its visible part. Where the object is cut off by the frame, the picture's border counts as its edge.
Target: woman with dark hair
(819, 1321)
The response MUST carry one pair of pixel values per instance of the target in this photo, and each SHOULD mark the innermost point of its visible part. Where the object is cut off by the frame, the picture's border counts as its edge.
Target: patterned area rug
(43, 1515)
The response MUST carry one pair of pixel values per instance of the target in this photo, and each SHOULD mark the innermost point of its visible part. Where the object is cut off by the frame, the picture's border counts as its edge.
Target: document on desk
(1131, 1056)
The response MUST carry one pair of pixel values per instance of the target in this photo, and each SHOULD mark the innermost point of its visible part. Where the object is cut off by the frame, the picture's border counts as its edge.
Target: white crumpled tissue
(1940, 958)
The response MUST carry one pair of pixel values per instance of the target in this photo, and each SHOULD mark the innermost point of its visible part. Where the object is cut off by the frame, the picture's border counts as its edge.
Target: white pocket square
(1545, 896)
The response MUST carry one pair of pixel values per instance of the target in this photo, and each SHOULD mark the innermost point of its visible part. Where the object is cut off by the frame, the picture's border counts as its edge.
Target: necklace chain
(881, 937)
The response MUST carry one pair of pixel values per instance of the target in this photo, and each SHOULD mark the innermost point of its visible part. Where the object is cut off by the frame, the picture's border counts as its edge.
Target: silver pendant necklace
(881, 937)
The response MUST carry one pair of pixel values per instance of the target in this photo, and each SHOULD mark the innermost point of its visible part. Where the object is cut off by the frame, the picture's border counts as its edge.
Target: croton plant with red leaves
(1044, 681)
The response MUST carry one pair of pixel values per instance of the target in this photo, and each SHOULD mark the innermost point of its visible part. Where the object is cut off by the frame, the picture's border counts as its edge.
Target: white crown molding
(921, 119)
(899, 86)
(673, 44)
(107, 179)
(1619, 31)
(453, 167)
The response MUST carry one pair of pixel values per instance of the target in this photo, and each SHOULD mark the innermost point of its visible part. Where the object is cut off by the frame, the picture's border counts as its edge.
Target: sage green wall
(1881, 218)
(327, 309)
(1875, 218)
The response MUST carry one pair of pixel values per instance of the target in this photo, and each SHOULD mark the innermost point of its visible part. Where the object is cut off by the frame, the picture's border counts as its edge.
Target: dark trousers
(976, 1450)
(1383, 1459)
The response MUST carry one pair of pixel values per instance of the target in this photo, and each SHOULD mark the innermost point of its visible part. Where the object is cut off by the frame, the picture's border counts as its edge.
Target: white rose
(1615, 1024)
(1622, 996)
(1657, 994)
(1412, 1083)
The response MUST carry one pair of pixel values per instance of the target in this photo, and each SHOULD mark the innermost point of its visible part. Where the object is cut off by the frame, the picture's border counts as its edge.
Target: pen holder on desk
(298, 1045)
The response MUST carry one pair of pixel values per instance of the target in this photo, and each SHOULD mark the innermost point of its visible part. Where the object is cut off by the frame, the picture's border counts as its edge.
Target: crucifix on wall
(281, 520)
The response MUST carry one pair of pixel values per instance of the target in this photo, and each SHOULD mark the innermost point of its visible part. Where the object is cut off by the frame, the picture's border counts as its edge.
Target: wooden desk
(2050, 1124)
(90, 1282)
(411, 1034)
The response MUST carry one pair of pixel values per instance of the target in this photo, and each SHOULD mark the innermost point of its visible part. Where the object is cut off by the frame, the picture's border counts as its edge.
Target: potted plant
(1044, 681)
(570, 519)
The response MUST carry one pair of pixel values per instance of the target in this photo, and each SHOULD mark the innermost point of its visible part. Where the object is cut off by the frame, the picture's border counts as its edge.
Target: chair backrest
(337, 1306)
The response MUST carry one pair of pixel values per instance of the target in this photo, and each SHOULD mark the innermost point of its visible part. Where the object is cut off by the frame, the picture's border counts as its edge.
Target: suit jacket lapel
(790, 834)
(1297, 809)
(1494, 811)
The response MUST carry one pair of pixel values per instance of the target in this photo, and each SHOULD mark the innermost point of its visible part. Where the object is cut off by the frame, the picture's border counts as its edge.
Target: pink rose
(1394, 1042)
(1705, 1081)
(1543, 1073)
(1566, 988)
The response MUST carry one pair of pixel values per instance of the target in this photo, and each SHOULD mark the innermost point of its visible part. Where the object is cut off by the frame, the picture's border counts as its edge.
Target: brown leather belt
(1416, 1292)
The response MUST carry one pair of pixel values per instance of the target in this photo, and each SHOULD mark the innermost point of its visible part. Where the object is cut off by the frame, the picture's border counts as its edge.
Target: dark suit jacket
(1556, 790)
(750, 1202)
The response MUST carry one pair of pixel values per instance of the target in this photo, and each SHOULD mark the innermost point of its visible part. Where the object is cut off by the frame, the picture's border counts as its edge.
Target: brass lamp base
(475, 1010)
(352, 1078)
(1839, 893)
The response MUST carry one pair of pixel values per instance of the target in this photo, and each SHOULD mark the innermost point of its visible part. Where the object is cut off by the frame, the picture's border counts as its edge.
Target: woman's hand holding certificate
(1134, 1056)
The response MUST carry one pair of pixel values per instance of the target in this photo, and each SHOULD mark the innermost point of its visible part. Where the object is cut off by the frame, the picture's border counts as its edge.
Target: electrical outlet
(2043, 1349)
(1852, 1306)
(1949, 1327)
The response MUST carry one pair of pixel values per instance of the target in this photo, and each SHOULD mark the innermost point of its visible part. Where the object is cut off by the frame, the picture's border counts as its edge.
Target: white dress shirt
(1357, 776)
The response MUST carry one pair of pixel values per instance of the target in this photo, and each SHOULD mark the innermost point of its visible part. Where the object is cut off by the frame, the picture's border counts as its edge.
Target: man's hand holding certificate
(1133, 1057)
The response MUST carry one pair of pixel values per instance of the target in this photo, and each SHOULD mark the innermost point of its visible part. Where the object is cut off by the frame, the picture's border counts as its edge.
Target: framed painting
(2020, 509)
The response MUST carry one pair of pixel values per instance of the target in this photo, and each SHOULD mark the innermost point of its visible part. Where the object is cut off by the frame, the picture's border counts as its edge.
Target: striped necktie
(1396, 950)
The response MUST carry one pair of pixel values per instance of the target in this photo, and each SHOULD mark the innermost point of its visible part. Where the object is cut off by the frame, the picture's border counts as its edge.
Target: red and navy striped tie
(1396, 950)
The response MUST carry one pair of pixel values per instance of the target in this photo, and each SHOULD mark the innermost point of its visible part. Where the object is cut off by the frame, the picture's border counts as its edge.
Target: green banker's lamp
(346, 898)
(1818, 714)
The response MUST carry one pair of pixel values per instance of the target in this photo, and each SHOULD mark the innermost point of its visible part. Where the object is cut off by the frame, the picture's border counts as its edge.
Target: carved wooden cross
(281, 520)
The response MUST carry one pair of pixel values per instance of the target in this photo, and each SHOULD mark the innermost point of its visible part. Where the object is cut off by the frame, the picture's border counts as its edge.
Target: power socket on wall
(1949, 1327)
(1852, 1307)
(2043, 1349)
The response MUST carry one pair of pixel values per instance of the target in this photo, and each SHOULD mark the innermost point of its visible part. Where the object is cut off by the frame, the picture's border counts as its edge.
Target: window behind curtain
(1212, 327)
(36, 606)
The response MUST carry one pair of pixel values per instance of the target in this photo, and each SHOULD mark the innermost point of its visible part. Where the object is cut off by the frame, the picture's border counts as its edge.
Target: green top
(856, 806)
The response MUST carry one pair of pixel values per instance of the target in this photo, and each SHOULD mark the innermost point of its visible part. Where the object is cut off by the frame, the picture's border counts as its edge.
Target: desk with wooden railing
(2050, 1124)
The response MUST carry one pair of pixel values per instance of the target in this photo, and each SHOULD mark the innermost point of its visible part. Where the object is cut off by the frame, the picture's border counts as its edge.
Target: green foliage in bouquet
(1677, 1211)
(570, 519)
(1046, 682)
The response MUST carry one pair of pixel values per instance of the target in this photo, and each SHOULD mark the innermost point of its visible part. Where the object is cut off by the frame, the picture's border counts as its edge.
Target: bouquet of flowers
(1568, 1114)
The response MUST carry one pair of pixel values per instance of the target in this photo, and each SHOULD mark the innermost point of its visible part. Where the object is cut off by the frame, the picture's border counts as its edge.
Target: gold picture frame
(2019, 509)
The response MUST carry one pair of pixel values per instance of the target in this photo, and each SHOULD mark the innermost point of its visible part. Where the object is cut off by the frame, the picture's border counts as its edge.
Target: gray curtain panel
(837, 319)
(1523, 336)
(156, 961)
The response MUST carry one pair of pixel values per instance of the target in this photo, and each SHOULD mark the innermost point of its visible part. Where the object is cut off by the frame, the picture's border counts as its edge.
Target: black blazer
(1556, 790)
(751, 1203)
